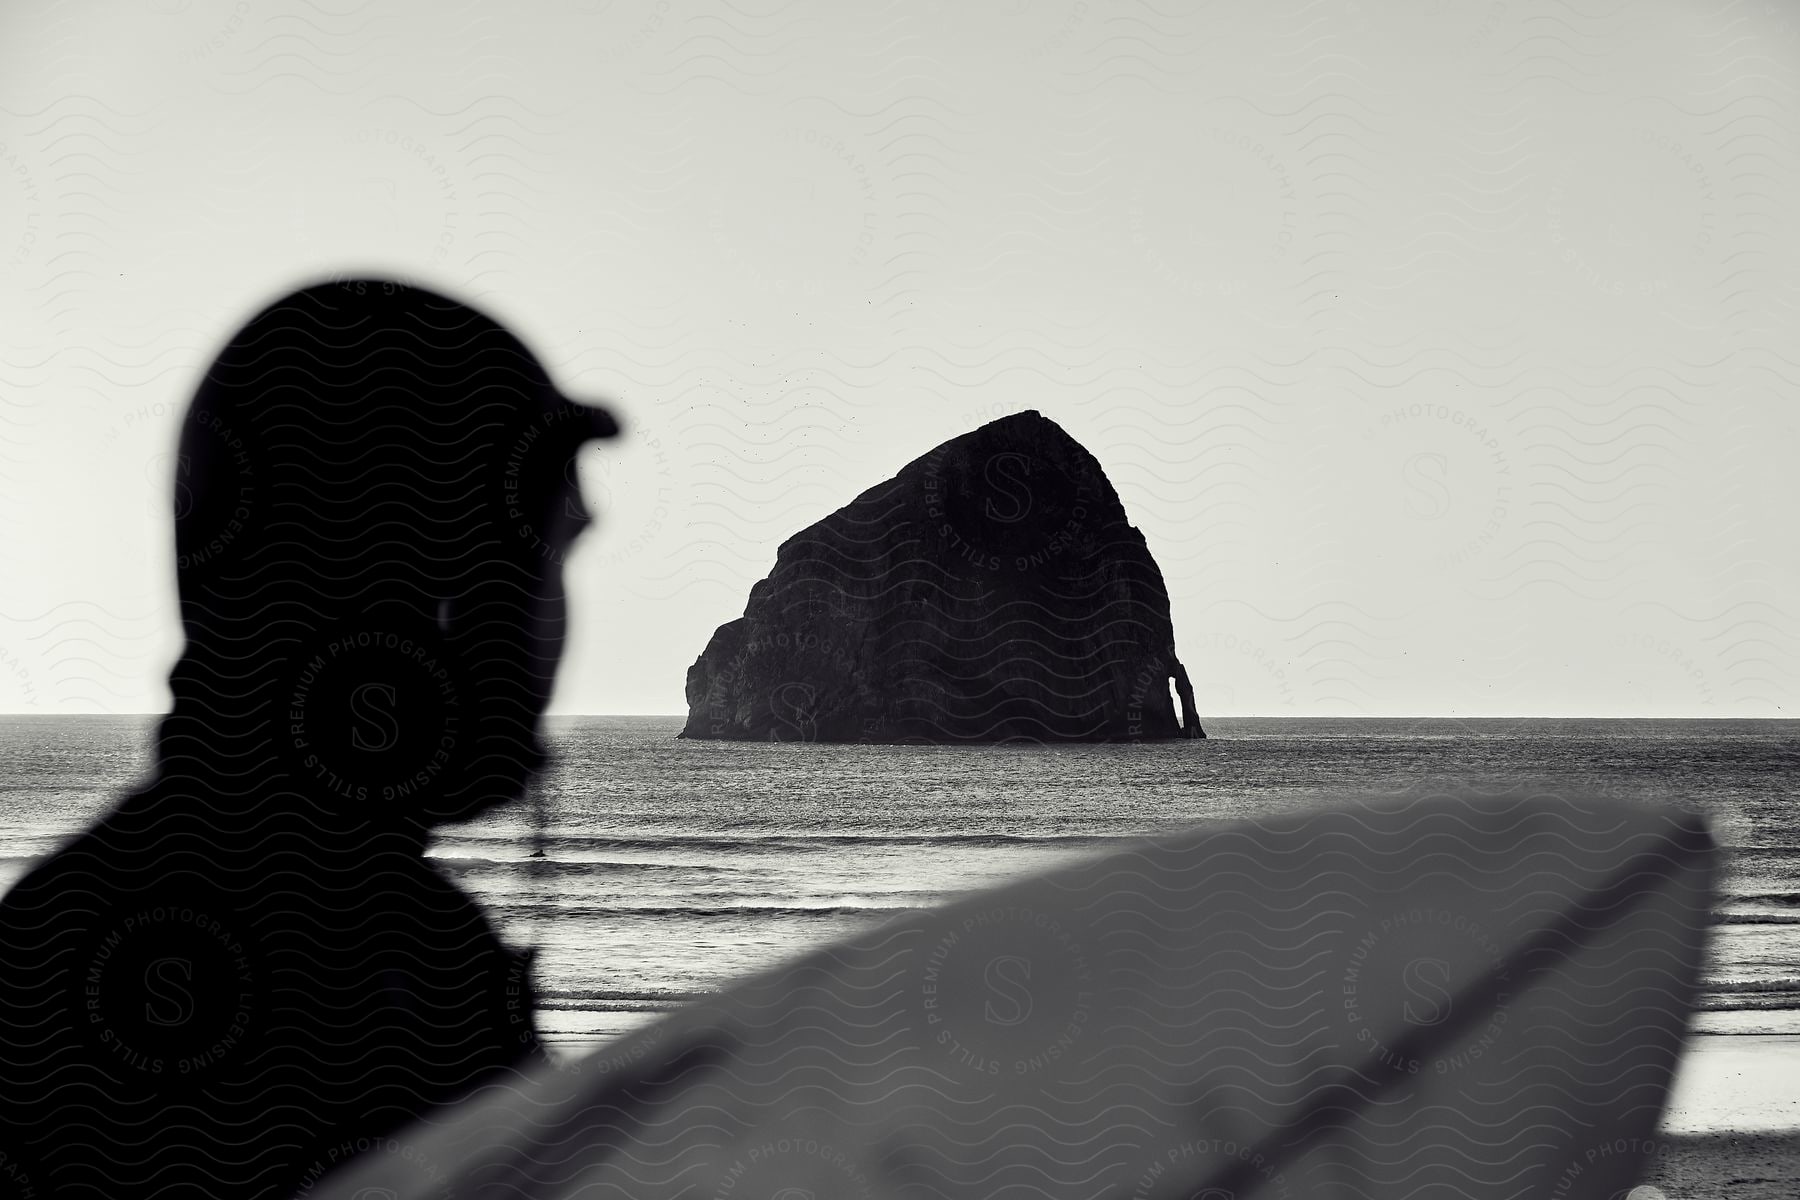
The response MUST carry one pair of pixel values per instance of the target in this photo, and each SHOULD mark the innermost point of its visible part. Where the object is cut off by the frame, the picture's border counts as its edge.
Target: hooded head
(374, 495)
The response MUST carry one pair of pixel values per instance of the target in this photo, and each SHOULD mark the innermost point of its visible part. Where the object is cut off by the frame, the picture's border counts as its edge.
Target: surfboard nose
(1449, 995)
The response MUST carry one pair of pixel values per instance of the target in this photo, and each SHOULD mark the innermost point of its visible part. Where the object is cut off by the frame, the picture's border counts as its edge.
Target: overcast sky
(1442, 351)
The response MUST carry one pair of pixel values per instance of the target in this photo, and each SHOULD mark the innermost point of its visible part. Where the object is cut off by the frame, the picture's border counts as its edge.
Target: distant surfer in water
(247, 971)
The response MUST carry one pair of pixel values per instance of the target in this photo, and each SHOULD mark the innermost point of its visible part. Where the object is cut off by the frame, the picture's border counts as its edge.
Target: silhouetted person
(248, 965)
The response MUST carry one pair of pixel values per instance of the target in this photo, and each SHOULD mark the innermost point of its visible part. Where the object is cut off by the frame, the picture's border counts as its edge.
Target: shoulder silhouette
(248, 967)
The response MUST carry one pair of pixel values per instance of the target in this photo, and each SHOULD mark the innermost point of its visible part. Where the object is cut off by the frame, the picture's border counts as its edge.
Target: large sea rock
(993, 590)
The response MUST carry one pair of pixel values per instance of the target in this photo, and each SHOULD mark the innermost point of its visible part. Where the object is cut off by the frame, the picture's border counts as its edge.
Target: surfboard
(1438, 995)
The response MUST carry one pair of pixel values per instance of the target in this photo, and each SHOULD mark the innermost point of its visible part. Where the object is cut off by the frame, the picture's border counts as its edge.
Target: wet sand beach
(1738, 1166)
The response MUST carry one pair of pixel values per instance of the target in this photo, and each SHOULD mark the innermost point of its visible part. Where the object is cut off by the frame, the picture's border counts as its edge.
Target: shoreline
(1736, 1084)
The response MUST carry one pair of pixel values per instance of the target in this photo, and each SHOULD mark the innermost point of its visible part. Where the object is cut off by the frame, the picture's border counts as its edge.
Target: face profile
(373, 503)
(378, 491)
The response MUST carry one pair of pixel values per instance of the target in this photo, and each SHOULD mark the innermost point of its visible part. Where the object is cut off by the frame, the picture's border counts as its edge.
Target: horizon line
(1212, 717)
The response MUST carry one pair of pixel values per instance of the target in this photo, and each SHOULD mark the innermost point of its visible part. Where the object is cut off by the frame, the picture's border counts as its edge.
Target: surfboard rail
(1441, 994)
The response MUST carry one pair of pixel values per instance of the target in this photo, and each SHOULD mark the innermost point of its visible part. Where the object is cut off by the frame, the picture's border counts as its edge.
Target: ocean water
(672, 867)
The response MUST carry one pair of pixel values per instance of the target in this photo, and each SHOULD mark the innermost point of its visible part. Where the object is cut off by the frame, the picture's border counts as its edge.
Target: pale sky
(1442, 351)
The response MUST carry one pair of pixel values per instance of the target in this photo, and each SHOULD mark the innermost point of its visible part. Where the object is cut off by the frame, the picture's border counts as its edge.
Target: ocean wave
(1757, 908)
(1750, 986)
(747, 909)
(601, 1000)
(456, 847)
(464, 863)
(1745, 910)
(1723, 1004)
(1774, 912)
(1775, 999)
(1785, 899)
(1773, 918)
(1749, 995)
(609, 1006)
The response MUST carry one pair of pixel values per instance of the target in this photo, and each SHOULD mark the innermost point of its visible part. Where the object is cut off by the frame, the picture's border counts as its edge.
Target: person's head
(374, 496)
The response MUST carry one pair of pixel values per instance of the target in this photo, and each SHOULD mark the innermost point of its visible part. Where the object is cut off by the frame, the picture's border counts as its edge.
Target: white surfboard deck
(1450, 996)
